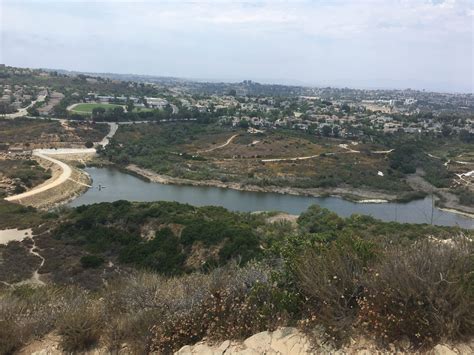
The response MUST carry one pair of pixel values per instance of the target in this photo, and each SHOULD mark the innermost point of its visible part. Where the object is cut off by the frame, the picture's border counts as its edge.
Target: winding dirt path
(220, 146)
(290, 159)
(24, 111)
(343, 146)
(66, 169)
(65, 175)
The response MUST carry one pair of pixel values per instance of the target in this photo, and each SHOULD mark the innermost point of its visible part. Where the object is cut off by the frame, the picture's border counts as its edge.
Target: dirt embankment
(349, 193)
(283, 341)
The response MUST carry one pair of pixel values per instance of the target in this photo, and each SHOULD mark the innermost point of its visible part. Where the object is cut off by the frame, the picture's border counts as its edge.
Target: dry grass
(425, 293)
(270, 145)
(331, 281)
(81, 324)
(31, 313)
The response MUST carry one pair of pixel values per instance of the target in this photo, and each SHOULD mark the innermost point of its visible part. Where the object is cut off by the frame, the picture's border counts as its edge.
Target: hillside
(158, 276)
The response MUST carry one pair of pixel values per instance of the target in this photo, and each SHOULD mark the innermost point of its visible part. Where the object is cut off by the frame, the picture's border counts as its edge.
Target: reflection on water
(116, 185)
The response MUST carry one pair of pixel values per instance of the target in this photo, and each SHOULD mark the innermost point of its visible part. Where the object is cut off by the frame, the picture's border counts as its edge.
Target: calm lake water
(117, 185)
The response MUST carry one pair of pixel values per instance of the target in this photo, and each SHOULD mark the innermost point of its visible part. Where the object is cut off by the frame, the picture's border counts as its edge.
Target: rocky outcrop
(290, 341)
(281, 341)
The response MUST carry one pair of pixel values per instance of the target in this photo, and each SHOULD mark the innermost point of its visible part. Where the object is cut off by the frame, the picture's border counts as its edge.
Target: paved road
(64, 151)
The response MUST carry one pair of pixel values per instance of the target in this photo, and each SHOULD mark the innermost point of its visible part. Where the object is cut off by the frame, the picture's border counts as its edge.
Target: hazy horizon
(395, 44)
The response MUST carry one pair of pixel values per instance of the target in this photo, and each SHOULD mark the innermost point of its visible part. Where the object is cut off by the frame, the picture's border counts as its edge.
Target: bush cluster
(423, 292)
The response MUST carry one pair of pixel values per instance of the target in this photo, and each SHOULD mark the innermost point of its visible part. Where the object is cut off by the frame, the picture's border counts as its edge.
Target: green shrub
(91, 261)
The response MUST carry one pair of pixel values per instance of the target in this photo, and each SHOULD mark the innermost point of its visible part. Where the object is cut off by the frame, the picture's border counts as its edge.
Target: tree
(335, 131)
(465, 136)
(98, 112)
(76, 117)
(33, 111)
(130, 106)
(89, 144)
(326, 131)
(118, 111)
(446, 130)
(244, 124)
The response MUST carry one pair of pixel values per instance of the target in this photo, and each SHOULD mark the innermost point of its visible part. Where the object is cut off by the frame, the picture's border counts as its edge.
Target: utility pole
(432, 208)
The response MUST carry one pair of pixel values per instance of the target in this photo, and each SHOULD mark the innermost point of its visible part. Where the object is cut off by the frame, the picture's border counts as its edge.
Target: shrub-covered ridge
(338, 278)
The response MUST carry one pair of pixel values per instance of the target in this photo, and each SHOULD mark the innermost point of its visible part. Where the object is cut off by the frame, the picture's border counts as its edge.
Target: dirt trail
(220, 146)
(66, 171)
(291, 159)
(35, 279)
(66, 174)
(108, 137)
(343, 146)
(24, 111)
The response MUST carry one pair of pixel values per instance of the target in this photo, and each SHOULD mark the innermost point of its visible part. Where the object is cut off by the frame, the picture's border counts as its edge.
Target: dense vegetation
(338, 277)
(166, 237)
(24, 173)
(18, 216)
(412, 154)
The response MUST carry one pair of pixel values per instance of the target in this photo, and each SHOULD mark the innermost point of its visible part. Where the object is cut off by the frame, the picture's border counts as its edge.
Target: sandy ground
(8, 235)
(283, 341)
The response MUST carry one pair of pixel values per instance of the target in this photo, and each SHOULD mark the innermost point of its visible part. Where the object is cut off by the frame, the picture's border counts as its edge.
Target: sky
(418, 44)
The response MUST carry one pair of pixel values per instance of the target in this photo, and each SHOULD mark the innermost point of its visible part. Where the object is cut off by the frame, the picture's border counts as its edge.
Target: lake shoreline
(349, 194)
(122, 184)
